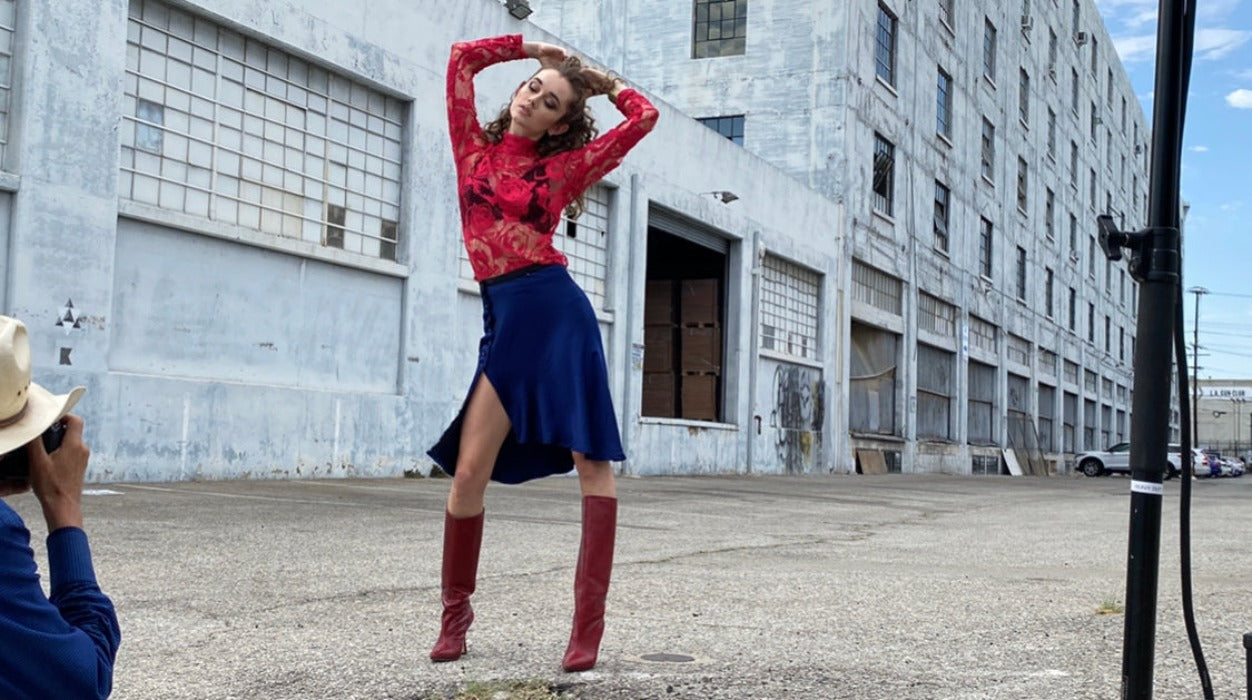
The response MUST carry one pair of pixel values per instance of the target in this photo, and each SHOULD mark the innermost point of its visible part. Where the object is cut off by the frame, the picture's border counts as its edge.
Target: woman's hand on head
(602, 83)
(548, 55)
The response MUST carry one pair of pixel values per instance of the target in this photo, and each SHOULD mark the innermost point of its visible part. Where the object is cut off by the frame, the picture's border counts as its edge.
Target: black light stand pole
(1159, 267)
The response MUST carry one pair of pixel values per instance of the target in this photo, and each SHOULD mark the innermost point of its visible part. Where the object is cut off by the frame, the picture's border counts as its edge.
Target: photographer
(62, 646)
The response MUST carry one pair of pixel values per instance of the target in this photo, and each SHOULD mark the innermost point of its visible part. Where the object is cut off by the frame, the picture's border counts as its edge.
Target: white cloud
(1212, 44)
(1133, 49)
(1244, 74)
(1230, 206)
(1240, 99)
(1199, 149)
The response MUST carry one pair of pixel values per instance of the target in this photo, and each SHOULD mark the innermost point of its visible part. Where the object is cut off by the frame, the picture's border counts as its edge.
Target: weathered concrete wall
(212, 352)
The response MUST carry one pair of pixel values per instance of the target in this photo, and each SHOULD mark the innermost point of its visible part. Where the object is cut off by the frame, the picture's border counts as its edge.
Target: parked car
(1116, 460)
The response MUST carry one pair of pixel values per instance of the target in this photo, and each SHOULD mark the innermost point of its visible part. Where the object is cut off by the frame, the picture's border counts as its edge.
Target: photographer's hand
(57, 478)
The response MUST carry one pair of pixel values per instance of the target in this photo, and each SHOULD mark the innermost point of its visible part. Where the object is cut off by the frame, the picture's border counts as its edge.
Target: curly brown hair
(582, 126)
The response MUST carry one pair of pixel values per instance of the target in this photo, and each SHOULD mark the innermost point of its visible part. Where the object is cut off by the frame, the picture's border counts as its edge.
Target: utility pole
(1195, 365)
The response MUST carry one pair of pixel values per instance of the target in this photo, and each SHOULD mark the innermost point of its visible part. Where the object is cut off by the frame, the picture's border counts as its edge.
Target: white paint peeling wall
(215, 351)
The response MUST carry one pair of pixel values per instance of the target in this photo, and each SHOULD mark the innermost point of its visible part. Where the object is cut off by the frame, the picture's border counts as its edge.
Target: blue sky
(1217, 166)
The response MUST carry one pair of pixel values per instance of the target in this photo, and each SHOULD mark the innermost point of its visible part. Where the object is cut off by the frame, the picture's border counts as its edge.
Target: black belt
(514, 274)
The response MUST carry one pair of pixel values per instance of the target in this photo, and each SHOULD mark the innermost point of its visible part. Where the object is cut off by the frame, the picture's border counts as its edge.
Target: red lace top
(511, 198)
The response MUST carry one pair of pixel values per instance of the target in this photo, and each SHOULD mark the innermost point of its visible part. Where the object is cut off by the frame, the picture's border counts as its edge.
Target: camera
(15, 466)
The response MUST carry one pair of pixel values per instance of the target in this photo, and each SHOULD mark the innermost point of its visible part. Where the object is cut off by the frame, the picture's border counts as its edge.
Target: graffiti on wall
(799, 412)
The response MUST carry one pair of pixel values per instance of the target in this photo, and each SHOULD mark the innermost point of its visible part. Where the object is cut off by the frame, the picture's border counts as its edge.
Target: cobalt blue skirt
(542, 353)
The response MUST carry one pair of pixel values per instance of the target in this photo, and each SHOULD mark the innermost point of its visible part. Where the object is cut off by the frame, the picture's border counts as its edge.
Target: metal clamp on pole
(1153, 251)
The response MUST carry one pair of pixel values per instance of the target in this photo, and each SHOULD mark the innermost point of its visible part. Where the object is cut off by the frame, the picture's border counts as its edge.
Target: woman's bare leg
(482, 433)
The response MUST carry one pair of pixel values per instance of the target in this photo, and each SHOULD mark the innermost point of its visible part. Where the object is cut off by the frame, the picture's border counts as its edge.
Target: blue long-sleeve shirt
(58, 647)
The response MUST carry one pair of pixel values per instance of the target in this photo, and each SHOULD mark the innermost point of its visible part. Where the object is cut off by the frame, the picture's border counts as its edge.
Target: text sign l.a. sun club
(1225, 392)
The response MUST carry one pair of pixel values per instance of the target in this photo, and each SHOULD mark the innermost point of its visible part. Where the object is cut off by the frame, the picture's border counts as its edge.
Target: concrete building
(235, 222)
(1224, 416)
(971, 146)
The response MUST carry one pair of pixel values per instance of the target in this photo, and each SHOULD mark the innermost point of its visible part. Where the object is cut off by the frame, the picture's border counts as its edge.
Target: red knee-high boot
(462, 538)
(591, 582)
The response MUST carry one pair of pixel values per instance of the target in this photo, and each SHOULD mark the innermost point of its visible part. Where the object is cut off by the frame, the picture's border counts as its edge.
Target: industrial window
(1052, 54)
(1076, 15)
(1021, 273)
(719, 28)
(1073, 165)
(1049, 281)
(935, 369)
(982, 334)
(885, 46)
(1108, 334)
(1091, 256)
(584, 241)
(1051, 134)
(872, 381)
(943, 105)
(1047, 414)
(1049, 214)
(884, 174)
(984, 248)
(1073, 237)
(988, 153)
(1017, 349)
(1090, 381)
(1121, 344)
(1095, 56)
(1071, 372)
(1106, 424)
(8, 26)
(225, 127)
(1023, 185)
(790, 308)
(946, 12)
(1089, 425)
(1023, 96)
(1091, 322)
(1109, 88)
(981, 413)
(1095, 121)
(1047, 362)
(1073, 91)
(943, 199)
(1106, 387)
(1018, 396)
(1069, 418)
(1123, 114)
(1121, 426)
(1073, 309)
(989, 50)
(876, 288)
(1091, 187)
(730, 127)
(936, 315)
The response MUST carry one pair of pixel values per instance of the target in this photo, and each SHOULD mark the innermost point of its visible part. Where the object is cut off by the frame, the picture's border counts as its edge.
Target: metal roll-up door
(688, 229)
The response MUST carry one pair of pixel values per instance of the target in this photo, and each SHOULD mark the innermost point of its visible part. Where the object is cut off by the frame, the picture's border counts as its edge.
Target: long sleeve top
(511, 198)
(58, 647)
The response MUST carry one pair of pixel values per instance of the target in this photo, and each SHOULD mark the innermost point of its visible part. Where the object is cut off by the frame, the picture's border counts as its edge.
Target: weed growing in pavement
(1110, 606)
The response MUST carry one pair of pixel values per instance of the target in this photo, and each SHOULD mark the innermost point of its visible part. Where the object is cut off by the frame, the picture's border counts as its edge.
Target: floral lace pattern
(511, 199)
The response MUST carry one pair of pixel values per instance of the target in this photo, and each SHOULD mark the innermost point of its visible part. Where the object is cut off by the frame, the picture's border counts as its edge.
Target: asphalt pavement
(836, 586)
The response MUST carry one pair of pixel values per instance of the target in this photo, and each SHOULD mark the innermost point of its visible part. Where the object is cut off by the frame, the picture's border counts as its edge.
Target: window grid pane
(982, 334)
(588, 248)
(876, 288)
(790, 308)
(936, 315)
(8, 24)
(222, 126)
(719, 28)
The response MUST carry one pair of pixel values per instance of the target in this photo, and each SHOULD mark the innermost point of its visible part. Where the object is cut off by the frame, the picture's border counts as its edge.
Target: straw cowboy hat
(26, 409)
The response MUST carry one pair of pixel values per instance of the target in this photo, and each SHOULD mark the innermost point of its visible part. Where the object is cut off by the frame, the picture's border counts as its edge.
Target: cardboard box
(658, 348)
(658, 303)
(658, 394)
(698, 301)
(699, 396)
(701, 349)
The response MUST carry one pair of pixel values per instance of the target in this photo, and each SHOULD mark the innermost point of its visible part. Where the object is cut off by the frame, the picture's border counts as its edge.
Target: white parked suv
(1116, 459)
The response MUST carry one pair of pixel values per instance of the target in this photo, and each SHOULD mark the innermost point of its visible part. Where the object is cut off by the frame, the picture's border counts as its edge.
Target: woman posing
(539, 403)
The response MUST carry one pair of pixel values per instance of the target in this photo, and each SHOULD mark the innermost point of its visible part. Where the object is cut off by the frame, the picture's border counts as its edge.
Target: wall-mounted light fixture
(725, 195)
(518, 8)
